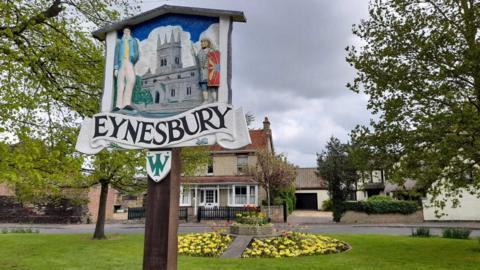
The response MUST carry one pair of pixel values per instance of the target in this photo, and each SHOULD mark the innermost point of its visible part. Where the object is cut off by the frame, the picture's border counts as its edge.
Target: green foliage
(382, 207)
(285, 196)
(19, 230)
(378, 198)
(51, 75)
(336, 167)
(327, 205)
(35, 169)
(195, 159)
(456, 233)
(49, 60)
(421, 232)
(418, 64)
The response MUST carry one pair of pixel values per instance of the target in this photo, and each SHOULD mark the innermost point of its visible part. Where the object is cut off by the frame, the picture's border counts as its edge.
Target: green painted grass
(47, 251)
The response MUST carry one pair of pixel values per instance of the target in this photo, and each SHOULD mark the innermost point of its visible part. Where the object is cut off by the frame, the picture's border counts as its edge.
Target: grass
(49, 251)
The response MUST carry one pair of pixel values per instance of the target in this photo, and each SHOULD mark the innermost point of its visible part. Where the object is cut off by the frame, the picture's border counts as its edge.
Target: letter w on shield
(158, 164)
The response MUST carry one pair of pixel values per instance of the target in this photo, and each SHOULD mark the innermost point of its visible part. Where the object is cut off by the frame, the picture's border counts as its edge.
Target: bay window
(241, 195)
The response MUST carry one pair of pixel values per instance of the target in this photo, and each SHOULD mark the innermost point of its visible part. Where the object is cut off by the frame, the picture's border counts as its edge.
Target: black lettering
(98, 125)
(221, 116)
(133, 131)
(116, 126)
(203, 122)
(145, 131)
(187, 128)
(161, 133)
(171, 129)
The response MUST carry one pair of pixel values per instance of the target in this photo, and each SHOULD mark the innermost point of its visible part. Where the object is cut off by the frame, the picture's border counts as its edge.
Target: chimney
(266, 124)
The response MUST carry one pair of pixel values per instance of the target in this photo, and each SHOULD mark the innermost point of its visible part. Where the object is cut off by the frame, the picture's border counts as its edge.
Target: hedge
(382, 207)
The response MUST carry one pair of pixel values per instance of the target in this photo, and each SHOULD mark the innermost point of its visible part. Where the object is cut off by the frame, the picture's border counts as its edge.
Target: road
(388, 229)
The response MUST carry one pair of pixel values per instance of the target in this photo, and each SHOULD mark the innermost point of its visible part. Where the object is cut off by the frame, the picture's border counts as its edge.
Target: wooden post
(161, 219)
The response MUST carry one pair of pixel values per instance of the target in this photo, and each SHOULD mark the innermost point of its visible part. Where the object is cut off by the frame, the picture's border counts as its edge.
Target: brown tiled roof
(218, 179)
(308, 179)
(260, 139)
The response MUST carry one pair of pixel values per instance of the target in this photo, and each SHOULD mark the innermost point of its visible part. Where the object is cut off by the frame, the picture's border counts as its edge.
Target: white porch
(216, 195)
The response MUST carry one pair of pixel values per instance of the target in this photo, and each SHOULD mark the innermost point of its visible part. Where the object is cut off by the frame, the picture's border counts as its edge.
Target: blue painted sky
(195, 25)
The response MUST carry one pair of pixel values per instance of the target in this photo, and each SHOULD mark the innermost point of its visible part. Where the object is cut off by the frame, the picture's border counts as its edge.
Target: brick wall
(94, 200)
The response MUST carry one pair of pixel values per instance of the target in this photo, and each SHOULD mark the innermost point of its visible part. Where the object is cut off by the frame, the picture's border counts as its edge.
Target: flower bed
(252, 218)
(203, 244)
(251, 223)
(294, 244)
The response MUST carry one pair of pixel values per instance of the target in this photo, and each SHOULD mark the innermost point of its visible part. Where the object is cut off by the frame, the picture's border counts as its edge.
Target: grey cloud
(289, 64)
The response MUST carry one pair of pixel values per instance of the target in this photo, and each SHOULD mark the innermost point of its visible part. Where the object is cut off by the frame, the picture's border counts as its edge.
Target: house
(225, 182)
(370, 183)
(311, 189)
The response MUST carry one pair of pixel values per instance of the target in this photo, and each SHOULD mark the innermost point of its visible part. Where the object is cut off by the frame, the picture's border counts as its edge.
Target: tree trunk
(102, 208)
(268, 203)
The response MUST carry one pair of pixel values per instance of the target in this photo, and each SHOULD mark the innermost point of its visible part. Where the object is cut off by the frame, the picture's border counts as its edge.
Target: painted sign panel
(167, 83)
(166, 65)
(159, 164)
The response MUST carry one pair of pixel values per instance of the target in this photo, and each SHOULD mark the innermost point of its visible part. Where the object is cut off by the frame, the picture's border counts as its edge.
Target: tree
(125, 171)
(35, 170)
(273, 173)
(335, 166)
(419, 65)
(50, 76)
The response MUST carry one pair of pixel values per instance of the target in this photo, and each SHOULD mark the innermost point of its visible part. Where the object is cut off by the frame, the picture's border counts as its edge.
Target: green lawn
(44, 251)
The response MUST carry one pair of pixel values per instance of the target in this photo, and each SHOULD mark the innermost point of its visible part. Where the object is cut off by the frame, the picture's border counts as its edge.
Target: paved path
(310, 217)
(237, 247)
(390, 229)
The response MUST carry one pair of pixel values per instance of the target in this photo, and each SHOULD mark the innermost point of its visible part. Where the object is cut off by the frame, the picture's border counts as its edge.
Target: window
(189, 90)
(172, 92)
(177, 60)
(192, 74)
(157, 97)
(184, 196)
(242, 164)
(179, 76)
(242, 195)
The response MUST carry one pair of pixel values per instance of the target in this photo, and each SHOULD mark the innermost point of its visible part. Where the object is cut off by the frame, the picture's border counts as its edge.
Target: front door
(209, 198)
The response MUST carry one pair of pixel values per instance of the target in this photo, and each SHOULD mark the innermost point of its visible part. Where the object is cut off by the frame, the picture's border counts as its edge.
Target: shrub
(327, 205)
(382, 207)
(380, 198)
(251, 218)
(456, 233)
(421, 232)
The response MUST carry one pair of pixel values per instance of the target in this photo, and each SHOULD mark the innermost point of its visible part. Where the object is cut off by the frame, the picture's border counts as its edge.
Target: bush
(380, 198)
(327, 205)
(421, 232)
(252, 218)
(382, 207)
(456, 233)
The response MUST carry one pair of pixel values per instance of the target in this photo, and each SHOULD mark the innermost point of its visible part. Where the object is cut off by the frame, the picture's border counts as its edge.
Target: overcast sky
(289, 64)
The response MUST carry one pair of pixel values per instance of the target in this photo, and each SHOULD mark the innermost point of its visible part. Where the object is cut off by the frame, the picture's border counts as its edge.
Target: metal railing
(222, 212)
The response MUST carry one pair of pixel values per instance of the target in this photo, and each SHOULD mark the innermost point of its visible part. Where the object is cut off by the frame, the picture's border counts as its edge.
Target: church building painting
(169, 61)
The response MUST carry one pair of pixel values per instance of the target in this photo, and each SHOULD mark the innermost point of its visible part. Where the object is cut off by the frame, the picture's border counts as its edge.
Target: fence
(139, 213)
(222, 212)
